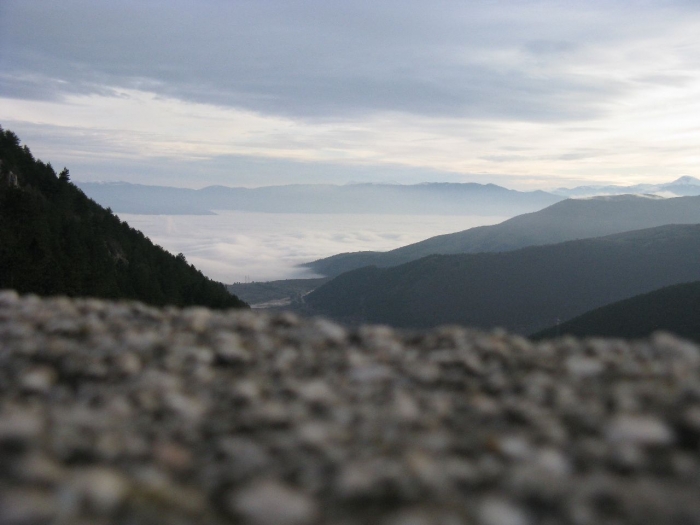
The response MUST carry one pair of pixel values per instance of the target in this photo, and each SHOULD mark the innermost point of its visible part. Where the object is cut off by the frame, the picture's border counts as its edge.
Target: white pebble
(39, 379)
(584, 366)
(497, 511)
(330, 330)
(639, 430)
(101, 488)
(271, 503)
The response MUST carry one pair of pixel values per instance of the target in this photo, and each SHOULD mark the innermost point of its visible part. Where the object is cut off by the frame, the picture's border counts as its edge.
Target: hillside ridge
(672, 308)
(523, 290)
(56, 241)
(570, 219)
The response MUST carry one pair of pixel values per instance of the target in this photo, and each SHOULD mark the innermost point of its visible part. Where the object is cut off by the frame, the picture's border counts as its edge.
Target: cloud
(232, 245)
(550, 47)
(313, 59)
(443, 88)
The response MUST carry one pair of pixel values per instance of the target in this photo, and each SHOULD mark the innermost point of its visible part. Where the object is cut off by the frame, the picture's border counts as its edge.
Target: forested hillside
(564, 221)
(56, 241)
(523, 291)
(673, 309)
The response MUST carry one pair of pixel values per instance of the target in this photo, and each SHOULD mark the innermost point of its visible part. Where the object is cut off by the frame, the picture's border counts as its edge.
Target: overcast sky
(521, 93)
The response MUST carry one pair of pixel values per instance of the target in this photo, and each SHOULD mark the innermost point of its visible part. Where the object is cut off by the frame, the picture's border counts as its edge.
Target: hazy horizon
(524, 94)
(195, 186)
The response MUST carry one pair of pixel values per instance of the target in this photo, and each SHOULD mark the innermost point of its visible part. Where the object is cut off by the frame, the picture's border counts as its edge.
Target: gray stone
(272, 503)
(101, 489)
(584, 366)
(497, 511)
(39, 379)
(639, 430)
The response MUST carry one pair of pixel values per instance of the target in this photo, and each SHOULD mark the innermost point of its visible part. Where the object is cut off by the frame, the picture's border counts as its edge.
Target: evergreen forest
(523, 291)
(56, 241)
(672, 309)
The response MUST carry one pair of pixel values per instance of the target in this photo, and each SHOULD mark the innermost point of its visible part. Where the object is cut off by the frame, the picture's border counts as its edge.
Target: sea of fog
(234, 246)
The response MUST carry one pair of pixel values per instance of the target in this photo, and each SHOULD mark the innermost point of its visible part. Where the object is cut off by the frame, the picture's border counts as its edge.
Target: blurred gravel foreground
(119, 413)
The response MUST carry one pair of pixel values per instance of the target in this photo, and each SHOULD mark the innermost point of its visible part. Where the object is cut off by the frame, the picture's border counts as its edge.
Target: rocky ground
(122, 413)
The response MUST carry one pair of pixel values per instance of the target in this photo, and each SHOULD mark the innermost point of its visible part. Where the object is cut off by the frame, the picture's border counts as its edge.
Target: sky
(526, 94)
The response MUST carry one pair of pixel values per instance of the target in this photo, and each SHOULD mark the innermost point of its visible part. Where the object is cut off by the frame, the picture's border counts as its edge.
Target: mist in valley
(236, 246)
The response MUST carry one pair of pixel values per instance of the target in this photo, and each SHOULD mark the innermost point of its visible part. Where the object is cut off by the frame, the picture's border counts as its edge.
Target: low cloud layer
(233, 246)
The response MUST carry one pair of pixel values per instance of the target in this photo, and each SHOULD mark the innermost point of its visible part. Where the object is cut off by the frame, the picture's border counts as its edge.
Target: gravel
(119, 413)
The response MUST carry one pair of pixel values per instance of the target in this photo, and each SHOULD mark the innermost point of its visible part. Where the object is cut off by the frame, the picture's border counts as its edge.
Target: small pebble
(102, 489)
(639, 430)
(39, 379)
(118, 413)
(272, 503)
(496, 511)
(584, 366)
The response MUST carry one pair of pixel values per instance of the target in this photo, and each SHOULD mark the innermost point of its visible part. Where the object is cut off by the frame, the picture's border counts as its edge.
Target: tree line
(56, 241)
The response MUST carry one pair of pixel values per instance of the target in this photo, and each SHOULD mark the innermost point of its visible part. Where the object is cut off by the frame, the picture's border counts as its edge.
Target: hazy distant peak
(687, 180)
(684, 186)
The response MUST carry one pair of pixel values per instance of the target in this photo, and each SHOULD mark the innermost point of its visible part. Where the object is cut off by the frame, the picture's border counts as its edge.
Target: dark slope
(567, 220)
(524, 290)
(56, 241)
(673, 308)
(414, 199)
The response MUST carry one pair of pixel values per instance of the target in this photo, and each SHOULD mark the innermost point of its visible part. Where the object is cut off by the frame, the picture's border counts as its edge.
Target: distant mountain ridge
(440, 198)
(523, 291)
(414, 199)
(681, 187)
(566, 220)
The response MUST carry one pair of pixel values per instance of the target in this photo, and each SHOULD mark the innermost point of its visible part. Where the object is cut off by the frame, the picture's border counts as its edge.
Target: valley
(350, 263)
(612, 265)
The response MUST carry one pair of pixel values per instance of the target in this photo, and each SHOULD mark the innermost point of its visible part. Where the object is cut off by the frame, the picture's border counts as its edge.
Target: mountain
(672, 308)
(683, 186)
(56, 241)
(416, 199)
(523, 291)
(566, 220)
(123, 197)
